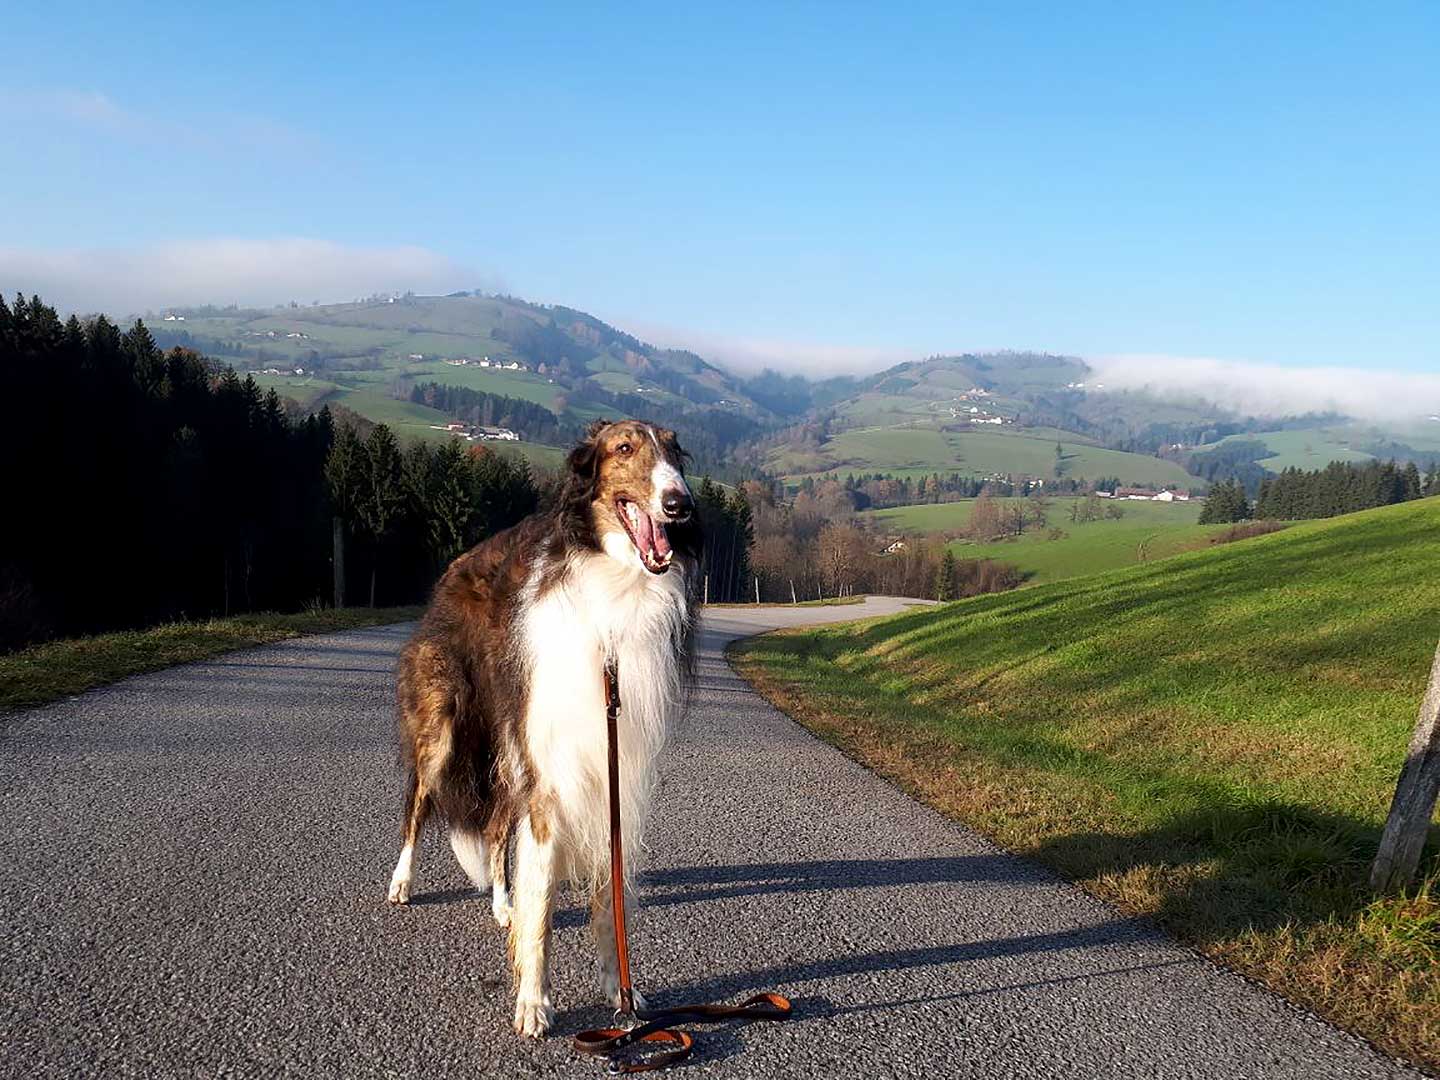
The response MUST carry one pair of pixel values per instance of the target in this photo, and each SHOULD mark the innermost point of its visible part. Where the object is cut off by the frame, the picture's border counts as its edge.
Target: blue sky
(826, 186)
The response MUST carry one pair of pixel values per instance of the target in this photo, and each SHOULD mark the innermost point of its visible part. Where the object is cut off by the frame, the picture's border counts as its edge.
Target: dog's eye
(624, 449)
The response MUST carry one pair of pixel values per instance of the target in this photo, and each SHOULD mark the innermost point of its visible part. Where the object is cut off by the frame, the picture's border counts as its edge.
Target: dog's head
(630, 478)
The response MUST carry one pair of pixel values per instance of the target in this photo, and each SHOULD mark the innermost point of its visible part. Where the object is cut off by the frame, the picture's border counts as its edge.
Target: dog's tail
(472, 853)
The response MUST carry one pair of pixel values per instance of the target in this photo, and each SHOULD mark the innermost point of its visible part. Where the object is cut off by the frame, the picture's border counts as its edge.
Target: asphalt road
(193, 872)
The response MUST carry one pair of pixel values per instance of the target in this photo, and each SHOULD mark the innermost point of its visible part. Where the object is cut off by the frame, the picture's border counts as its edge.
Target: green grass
(1305, 448)
(1148, 531)
(1211, 741)
(922, 449)
(60, 669)
(834, 601)
(951, 516)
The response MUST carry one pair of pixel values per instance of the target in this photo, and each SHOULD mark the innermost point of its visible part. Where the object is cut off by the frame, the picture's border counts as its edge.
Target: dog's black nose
(677, 504)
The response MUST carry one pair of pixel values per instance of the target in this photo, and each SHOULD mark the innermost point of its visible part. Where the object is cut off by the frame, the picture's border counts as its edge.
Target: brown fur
(462, 693)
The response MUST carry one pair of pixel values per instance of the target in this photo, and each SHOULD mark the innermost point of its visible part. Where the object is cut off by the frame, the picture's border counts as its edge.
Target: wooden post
(1408, 825)
(757, 590)
(793, 598)
(707, 589)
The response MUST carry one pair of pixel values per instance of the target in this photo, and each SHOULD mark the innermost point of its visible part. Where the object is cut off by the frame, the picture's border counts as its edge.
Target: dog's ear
(670, 440)
(583, 458)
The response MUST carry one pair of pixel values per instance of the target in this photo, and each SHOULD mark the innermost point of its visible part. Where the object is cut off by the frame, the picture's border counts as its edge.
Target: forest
(154, 485)
(1339, 488)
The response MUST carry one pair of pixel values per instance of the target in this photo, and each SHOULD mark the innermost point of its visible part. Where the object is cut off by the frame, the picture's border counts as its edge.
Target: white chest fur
(600, 609)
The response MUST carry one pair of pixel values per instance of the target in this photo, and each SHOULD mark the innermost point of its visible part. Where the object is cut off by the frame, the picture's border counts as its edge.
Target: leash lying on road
(649, 1026)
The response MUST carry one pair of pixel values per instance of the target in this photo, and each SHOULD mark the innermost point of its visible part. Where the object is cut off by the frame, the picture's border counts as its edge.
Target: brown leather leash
(649, 1027)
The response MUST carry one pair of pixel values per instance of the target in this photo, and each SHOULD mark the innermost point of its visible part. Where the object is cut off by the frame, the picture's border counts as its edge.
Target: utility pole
(1408, 825)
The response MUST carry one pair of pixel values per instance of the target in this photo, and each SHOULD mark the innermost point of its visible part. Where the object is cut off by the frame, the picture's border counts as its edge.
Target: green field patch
(1305, 448)
(1147, 531)
(922, 449)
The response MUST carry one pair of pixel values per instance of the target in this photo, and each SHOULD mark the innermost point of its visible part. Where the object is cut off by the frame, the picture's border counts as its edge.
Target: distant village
(975, 413)
(484, 362)
(477, 432)
(1146, 494)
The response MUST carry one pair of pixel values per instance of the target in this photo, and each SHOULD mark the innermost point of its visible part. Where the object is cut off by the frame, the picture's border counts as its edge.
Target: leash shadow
(1115, 932)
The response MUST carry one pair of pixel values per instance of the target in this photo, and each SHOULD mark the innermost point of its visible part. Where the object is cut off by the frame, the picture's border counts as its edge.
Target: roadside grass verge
(59, 669)
(1211, 742)
(834, 601)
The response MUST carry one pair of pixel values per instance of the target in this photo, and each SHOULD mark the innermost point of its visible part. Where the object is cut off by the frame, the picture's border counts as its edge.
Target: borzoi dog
(501, 692)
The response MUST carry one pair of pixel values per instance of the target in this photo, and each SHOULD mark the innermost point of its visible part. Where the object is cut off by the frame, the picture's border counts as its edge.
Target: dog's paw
(399, 890)
(502, 912)
(533, 1018)
(610, 991)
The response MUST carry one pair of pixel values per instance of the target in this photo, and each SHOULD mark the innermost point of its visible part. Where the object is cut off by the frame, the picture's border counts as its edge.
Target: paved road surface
(193, 870)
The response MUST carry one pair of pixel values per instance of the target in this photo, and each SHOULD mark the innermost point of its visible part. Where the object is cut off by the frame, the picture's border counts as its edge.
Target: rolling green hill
(1147, 531)
(370, 355)
(1211, 741)
(919, 450)
(1315, 447)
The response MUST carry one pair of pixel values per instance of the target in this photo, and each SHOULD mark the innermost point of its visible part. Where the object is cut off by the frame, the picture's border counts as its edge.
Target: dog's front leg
(602, 926)
(530, 924)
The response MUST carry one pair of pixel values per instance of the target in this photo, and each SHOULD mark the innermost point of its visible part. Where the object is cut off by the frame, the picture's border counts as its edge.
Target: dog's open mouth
(647, 534)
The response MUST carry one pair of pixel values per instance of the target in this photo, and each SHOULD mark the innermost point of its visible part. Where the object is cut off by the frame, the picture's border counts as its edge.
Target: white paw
(399, 890)
(502, 911)
(533, 1018)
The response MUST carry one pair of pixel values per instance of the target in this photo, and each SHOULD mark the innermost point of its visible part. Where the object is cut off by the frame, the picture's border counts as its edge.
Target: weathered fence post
(1409, 822)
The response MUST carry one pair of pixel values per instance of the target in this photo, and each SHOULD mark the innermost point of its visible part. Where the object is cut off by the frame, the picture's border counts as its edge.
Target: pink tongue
(645, 533)
(662, 542)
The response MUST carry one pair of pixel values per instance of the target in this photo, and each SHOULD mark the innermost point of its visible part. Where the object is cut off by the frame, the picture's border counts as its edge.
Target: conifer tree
(945, 577)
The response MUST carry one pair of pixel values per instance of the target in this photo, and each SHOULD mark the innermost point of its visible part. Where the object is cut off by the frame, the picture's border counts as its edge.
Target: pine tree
(945, 577)
(383, 494)
(344, 478)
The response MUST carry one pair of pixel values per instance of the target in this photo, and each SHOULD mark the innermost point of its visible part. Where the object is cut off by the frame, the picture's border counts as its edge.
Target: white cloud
(225, 271)
(1275, 390)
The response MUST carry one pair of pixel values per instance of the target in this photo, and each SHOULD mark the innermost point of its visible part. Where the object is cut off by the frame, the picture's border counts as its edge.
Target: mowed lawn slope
(1211, 741)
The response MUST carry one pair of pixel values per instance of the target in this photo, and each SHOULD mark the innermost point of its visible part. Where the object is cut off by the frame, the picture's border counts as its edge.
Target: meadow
(920, 450)
(1303, 448)
(1147, 531)
(1211, 742)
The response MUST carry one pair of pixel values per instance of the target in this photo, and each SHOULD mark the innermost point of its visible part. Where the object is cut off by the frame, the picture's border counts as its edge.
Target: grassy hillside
(1211, 741)
(1148, 531)
(919, 450)
(369, 355)
(1305, 448)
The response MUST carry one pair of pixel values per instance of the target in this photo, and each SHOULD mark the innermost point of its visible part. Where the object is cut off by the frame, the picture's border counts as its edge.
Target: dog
(501, 706)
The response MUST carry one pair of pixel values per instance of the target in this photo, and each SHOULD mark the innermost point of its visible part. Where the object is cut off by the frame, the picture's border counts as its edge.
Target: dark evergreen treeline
(880, 490)
(535, 422)
(148, 485)
(1339, 488)
(1238, 460)
(729, 532)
